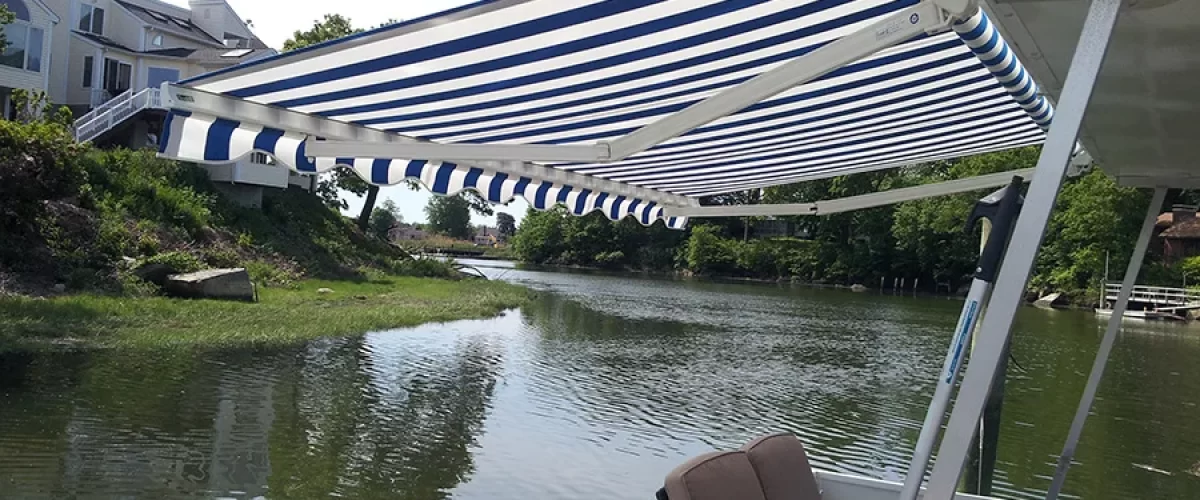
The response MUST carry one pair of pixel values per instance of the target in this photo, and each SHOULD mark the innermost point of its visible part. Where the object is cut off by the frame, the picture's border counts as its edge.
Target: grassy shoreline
(282, 316)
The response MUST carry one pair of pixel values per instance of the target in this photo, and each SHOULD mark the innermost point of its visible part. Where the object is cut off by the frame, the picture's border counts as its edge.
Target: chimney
(1181, 213)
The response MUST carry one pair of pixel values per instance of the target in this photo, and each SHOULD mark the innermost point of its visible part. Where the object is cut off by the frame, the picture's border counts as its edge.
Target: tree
(506, 224)
(450, 216)
(384, 218)
(333, 27)
(6, 18)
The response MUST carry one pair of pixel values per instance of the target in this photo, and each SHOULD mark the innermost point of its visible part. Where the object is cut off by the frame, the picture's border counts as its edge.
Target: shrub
(265, 273)
(609, 259)
(149, 188)
(38, 162)
(706, 252)
(180, 261)
(221, 258)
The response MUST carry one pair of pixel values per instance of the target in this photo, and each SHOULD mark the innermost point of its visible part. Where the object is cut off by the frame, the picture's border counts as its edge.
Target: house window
(117, 76)
(156, 76)
(24, 50)
(91, 19)
(157, 41)
(89, 70)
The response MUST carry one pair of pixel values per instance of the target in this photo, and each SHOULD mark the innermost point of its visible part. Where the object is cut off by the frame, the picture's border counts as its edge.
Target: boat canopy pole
(1106, 345)
(851, 203)
(1018, 263)
(1001, 209)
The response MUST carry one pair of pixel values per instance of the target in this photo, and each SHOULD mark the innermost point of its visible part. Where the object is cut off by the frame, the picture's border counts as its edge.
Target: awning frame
(343, 140)
(852, 203)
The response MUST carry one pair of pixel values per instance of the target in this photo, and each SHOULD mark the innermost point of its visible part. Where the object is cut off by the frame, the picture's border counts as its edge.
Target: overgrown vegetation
(74, 215)
(921, 241)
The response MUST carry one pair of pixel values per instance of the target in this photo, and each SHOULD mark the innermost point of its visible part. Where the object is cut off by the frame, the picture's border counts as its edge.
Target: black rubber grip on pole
(1002, 208)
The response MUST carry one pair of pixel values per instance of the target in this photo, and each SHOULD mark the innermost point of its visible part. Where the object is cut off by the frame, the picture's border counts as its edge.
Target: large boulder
(232, 284)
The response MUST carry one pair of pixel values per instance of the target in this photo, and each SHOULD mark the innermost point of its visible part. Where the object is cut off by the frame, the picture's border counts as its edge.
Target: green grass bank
(282, 316)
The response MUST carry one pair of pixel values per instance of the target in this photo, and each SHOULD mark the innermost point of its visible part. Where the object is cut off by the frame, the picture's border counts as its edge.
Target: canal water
(595, 390)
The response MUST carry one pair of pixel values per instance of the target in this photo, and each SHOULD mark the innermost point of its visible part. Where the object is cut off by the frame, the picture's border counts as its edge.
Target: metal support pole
(1106, 345)
(1018, 263)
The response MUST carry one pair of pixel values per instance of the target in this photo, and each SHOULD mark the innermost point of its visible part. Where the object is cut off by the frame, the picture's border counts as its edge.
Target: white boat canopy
(631, 107)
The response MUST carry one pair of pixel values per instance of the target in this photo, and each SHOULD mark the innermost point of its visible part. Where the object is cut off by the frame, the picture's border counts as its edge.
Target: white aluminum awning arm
(896, 28)
(928, 16)
(368, 140)
(852, 203)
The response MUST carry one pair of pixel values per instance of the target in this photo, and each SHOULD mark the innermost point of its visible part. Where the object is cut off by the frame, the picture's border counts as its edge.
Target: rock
(60, 288)
(324, 291)
(128, 262)
(859, 288)
(155, 273)
(233, 284)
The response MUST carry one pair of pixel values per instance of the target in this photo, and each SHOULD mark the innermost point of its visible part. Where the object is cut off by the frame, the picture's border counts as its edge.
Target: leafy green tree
(450, 216)
(384, 218)
(1094, 216)
(333, 27)
(930, 234)
(506, 224)
(6, 18)
(540, 238)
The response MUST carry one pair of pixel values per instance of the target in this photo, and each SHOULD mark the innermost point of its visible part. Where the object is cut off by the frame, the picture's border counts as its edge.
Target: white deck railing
(115, 111)
(1157, 295)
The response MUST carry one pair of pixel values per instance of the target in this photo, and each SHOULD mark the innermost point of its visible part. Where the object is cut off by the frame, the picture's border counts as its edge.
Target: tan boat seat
(724, 475)
(782, 467)
(769, 468)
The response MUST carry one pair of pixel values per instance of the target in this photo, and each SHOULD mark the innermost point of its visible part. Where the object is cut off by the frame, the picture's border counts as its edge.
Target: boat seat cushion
(782, 468)
(715, 476)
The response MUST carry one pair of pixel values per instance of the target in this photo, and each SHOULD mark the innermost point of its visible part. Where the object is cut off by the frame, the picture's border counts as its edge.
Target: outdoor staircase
(115, 111)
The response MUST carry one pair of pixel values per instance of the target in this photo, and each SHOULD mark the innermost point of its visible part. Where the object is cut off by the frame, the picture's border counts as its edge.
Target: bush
(38, 163)
(222, 258)
(180, 261)
(265, 273)
(425, 267)
(708, 253)
(609, 259)
(150, 188)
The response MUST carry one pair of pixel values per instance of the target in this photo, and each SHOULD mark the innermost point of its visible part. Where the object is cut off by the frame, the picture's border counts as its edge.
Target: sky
(275, 21)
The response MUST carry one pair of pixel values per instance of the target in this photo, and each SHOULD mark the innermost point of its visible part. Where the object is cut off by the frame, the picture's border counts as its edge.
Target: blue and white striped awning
(586, 71)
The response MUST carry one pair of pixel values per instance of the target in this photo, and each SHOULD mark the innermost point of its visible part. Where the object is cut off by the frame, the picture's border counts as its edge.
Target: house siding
(33, 80)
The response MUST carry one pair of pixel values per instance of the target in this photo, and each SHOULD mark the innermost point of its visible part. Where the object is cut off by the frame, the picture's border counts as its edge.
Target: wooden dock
(1153, 302)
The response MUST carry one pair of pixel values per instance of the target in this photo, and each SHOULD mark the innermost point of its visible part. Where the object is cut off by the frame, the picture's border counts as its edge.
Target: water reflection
(349, 418)
(595, 390)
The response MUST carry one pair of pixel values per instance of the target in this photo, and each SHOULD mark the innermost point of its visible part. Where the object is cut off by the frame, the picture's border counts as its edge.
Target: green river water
(595, 390)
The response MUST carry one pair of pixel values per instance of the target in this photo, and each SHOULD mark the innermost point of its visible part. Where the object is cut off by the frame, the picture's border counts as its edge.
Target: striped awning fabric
(587, 71)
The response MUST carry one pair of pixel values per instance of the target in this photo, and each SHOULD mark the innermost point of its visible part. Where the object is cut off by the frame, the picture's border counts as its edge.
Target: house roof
(179, 53)
(228, 56)
(102, 40)
(1186, 230)
(168, 23)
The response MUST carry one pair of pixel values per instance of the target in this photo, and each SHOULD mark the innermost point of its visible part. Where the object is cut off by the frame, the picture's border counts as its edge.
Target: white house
(25, 62)
(103, 48)
(105, 59)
